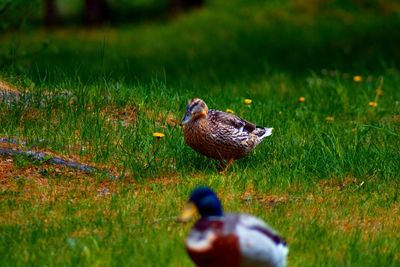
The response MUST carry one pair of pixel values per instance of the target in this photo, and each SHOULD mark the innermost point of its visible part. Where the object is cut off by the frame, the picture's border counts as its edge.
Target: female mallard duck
(230, 240)
(218, 134)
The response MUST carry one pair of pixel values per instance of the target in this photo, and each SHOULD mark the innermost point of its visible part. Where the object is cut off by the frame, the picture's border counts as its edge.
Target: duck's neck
(200, 123)
(214, 214)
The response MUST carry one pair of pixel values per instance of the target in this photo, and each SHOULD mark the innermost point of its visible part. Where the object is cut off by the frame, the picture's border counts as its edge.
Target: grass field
(327, 179)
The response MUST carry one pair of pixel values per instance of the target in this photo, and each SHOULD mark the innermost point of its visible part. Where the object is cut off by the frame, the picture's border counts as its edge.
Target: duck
(220, 135)
(221, 239)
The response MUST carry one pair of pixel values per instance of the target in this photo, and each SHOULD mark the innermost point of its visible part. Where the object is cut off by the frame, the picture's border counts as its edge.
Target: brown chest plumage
(224, 250)
(224, 253)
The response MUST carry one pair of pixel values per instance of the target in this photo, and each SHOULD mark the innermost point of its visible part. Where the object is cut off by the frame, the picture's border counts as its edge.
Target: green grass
(327, 179)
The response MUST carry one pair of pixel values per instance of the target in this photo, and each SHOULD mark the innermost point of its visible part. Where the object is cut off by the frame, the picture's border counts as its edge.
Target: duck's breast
(208, 245)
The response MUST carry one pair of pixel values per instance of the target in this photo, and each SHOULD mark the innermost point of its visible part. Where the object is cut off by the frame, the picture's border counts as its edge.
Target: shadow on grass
(194, 50)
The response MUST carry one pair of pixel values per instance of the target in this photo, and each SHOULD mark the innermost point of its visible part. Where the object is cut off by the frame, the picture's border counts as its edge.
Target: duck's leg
(225, 166)
(221, 166)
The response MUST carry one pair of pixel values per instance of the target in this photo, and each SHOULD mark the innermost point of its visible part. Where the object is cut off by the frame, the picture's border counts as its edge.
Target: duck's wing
(255, 224)
(260, 243)
(229, 120)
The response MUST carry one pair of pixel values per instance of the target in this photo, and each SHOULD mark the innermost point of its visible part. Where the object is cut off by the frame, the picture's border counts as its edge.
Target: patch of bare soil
(6, 87)
(48, 183)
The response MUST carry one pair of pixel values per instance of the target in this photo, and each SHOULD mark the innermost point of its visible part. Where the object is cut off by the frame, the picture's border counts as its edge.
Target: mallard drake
(228, 239)
(220, 135)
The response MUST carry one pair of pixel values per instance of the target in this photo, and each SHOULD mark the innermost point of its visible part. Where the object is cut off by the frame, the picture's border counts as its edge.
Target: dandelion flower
(357, 79)
(230, 111)
(158, 135)
(330, 119)
(373, 104)
(302, 99)
(248, 101)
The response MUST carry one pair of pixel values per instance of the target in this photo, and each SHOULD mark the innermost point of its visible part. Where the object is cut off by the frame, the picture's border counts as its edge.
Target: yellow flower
(229, 110)
(248, 101)
(330, 119)
(158, 135)
(357, 79)
(373, 104)
(302, 99)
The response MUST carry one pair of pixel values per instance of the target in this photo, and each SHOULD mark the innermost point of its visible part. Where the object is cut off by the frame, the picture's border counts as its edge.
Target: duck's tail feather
(263, 132)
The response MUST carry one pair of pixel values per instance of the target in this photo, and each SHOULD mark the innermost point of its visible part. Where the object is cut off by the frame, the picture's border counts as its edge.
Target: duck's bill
(186, 119)
(188, 212)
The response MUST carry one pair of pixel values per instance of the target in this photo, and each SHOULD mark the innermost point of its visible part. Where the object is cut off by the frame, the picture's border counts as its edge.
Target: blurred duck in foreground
(229, 240)
(220, 135)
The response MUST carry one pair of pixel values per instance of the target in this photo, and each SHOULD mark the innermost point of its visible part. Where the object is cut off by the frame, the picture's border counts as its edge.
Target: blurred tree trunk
(50, 13)
(177, 6)
(96, 11)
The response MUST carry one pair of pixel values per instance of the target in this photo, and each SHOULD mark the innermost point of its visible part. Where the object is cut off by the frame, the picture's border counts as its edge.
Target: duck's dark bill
(186, 118)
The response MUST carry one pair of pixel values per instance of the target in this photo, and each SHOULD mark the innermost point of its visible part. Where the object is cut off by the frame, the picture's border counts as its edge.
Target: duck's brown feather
(219, 117)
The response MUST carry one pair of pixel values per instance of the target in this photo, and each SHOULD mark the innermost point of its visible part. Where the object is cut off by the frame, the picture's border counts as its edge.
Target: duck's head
(203, 200)
(195, 109)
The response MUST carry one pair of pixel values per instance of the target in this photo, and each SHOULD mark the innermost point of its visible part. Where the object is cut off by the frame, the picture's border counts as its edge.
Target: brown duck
(220, 135)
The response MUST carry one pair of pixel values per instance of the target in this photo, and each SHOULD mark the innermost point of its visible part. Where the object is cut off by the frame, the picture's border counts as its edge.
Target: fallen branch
(10, 95)
(46, 158)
